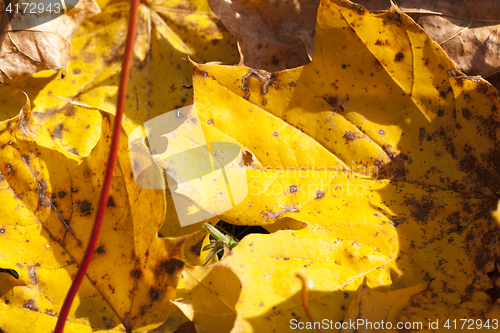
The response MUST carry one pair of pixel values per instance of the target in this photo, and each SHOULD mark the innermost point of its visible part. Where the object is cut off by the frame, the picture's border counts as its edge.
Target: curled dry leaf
(271, 34)
(49, 198)
(383, 160)
(31, 42)
(467, 30)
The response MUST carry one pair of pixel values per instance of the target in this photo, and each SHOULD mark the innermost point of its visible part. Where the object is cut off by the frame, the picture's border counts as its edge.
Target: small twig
(303, 279)
(122, 90)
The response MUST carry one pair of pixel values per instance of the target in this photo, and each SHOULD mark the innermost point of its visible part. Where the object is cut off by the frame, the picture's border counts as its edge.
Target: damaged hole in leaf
(247, 158)
(221, 243)
(240, 231)
(9, 271)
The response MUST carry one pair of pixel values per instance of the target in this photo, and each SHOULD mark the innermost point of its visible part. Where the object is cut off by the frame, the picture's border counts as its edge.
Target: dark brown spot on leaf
(57, 132)
(100, 250)
(397, 222)
(399, 57)
(136, 273)
(30, 304)
(466, 113)
(74, 151)
(85, 207)
(319, 194)
(332, 100)
(350, 136)
(153, 294)
(421, 134)
(171, 266)
(62, 194)
(32, 274)
(421, 209)
(42, 185)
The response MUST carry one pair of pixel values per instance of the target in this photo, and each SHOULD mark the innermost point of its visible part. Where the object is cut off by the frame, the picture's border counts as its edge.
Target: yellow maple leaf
(379, 155)
(49, 197)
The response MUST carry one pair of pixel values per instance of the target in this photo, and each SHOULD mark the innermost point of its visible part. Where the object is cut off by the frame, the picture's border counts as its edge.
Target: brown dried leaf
(467, 30)
(269, 32)
(44, 44)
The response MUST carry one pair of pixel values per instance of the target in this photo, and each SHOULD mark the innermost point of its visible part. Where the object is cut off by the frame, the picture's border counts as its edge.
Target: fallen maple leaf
(49, 196)
(33, 39)
(381, 156)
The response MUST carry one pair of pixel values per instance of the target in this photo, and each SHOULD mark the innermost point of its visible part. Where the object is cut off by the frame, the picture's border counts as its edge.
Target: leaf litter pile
(372, 161)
